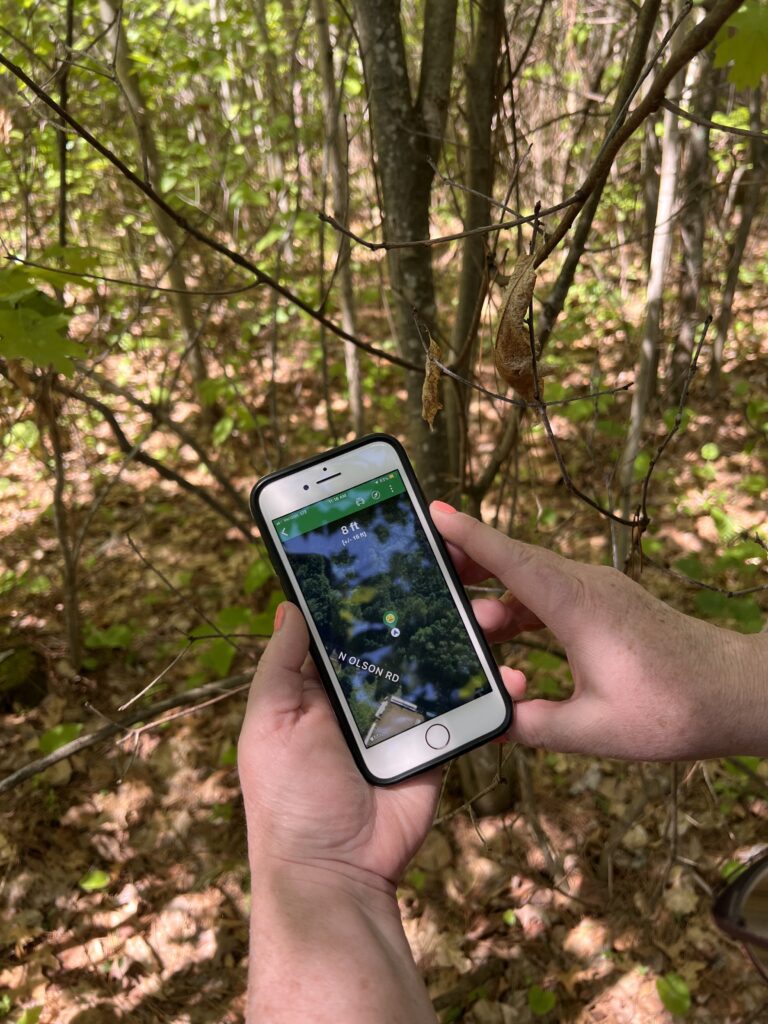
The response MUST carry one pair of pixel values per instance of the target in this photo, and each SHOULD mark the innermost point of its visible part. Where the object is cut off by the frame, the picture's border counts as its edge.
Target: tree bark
(481, 102)
(336, 152)
(553, 307)
(111, 12)
(408, 134)
(752, 190)
(695, 205)
(645, 373)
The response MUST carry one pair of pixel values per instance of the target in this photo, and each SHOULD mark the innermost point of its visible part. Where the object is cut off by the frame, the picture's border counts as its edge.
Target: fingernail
(279, 616)
(442, 506)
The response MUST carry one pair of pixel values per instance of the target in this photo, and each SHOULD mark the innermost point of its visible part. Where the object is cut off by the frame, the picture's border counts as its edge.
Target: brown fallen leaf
(430, 401)
(512, 350)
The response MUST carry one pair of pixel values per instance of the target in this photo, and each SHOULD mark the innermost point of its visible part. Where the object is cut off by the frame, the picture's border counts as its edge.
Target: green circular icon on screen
(390, 618)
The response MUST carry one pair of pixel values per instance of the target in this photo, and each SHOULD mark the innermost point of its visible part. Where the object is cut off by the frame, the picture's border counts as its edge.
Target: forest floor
(123, 872)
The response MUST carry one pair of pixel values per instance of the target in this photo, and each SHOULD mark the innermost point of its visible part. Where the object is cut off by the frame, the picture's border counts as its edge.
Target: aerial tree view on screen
(386, 617)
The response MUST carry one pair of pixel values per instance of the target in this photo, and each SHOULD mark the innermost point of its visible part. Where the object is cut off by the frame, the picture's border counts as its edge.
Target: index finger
(546, 583)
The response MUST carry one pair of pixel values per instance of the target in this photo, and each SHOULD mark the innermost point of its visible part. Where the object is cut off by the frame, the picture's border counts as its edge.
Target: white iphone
(405, 665)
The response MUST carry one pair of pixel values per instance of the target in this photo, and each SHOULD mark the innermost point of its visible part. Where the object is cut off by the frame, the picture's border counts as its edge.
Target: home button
(438, 736)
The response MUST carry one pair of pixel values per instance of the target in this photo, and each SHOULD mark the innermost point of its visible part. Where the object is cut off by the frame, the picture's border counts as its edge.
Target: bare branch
(231, 684)
(688, 115)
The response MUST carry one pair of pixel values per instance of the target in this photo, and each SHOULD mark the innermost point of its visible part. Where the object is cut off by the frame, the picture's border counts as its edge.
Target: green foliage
(674, 993)
(509, 918)
(31, 1015)
(218, 653)
(59, 736)
(228, 755)
(743, 40)
(94, 881)
(417, 879)
(743, 612)
(541, 1000)
(33, 326)
(118, 636)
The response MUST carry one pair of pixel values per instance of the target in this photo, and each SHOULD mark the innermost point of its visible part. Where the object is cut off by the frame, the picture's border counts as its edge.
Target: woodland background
(231, 231)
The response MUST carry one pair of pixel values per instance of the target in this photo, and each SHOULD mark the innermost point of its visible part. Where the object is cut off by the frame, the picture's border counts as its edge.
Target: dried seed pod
(512, 350)
(430, 401)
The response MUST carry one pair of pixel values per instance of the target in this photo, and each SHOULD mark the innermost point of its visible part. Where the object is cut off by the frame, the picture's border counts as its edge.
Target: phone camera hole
(306, 487)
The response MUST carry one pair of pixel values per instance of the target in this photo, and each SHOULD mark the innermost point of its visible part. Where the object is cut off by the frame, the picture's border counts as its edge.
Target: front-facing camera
(306, 487)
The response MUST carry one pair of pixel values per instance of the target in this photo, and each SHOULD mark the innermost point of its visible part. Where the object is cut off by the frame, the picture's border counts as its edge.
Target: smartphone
(405, 664)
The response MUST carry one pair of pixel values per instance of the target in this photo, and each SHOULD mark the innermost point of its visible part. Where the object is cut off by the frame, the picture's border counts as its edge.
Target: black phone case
(290, 593)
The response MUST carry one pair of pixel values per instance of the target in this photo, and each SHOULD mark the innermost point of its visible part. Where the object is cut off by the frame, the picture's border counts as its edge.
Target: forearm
(328, 948)
(750, 683)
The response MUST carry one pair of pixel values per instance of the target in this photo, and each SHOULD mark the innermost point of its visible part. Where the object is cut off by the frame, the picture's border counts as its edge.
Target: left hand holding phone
(326, 850)
(305, 800)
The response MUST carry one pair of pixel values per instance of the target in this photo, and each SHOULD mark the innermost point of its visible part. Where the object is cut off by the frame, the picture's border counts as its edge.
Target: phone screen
(382, 607)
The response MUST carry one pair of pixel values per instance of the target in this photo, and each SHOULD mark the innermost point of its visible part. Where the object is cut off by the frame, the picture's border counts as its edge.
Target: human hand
(649, 682)
(306, 803)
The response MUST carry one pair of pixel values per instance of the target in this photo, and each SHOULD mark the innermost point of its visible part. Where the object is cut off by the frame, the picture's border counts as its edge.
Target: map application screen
(383, 610)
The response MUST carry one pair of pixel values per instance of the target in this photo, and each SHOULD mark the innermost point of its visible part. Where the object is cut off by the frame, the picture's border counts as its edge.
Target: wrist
(328, 944)
(752, 683)
(737, 722)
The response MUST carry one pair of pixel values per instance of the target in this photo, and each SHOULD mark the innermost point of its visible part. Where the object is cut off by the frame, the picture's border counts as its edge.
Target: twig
(416, 243)
(175, 590)
(642, 513)
(468, 803)
(185, 712)
(698, 583)
(119, 725)
(688, 115)
(146, 285)
(159, 676)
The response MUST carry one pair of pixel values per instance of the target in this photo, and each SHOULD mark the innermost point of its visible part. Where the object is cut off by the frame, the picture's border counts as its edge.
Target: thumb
(278, 685)
(547, 584)
(566, 726)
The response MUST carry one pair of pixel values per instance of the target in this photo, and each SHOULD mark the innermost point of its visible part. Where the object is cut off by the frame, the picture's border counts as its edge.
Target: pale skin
(326, 849)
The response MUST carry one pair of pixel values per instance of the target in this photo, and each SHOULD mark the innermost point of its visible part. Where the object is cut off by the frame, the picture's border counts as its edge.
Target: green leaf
(218, 657)
(710, 452)
(94, 881)
(691, 566)
(674, 993)
(228, 756)
(544, 660)
(15, 285)
(509, 918)
(731, 869)
(59, 736)
(222, 430)
(27, 334)
(541, 1000)
(31, 1015)
(258, 573)
(416, 878)
(744, 40)
(118, 636)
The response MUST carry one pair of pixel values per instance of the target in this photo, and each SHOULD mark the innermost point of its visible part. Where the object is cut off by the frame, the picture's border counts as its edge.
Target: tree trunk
(481, 102)
(553, 307)
(695, 205)
(111, 12)
(751, 191)
(407, 135)
(645, 373)
(336, 151)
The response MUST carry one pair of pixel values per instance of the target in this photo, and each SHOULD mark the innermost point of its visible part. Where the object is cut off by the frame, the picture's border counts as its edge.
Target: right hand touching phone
(650, 683)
